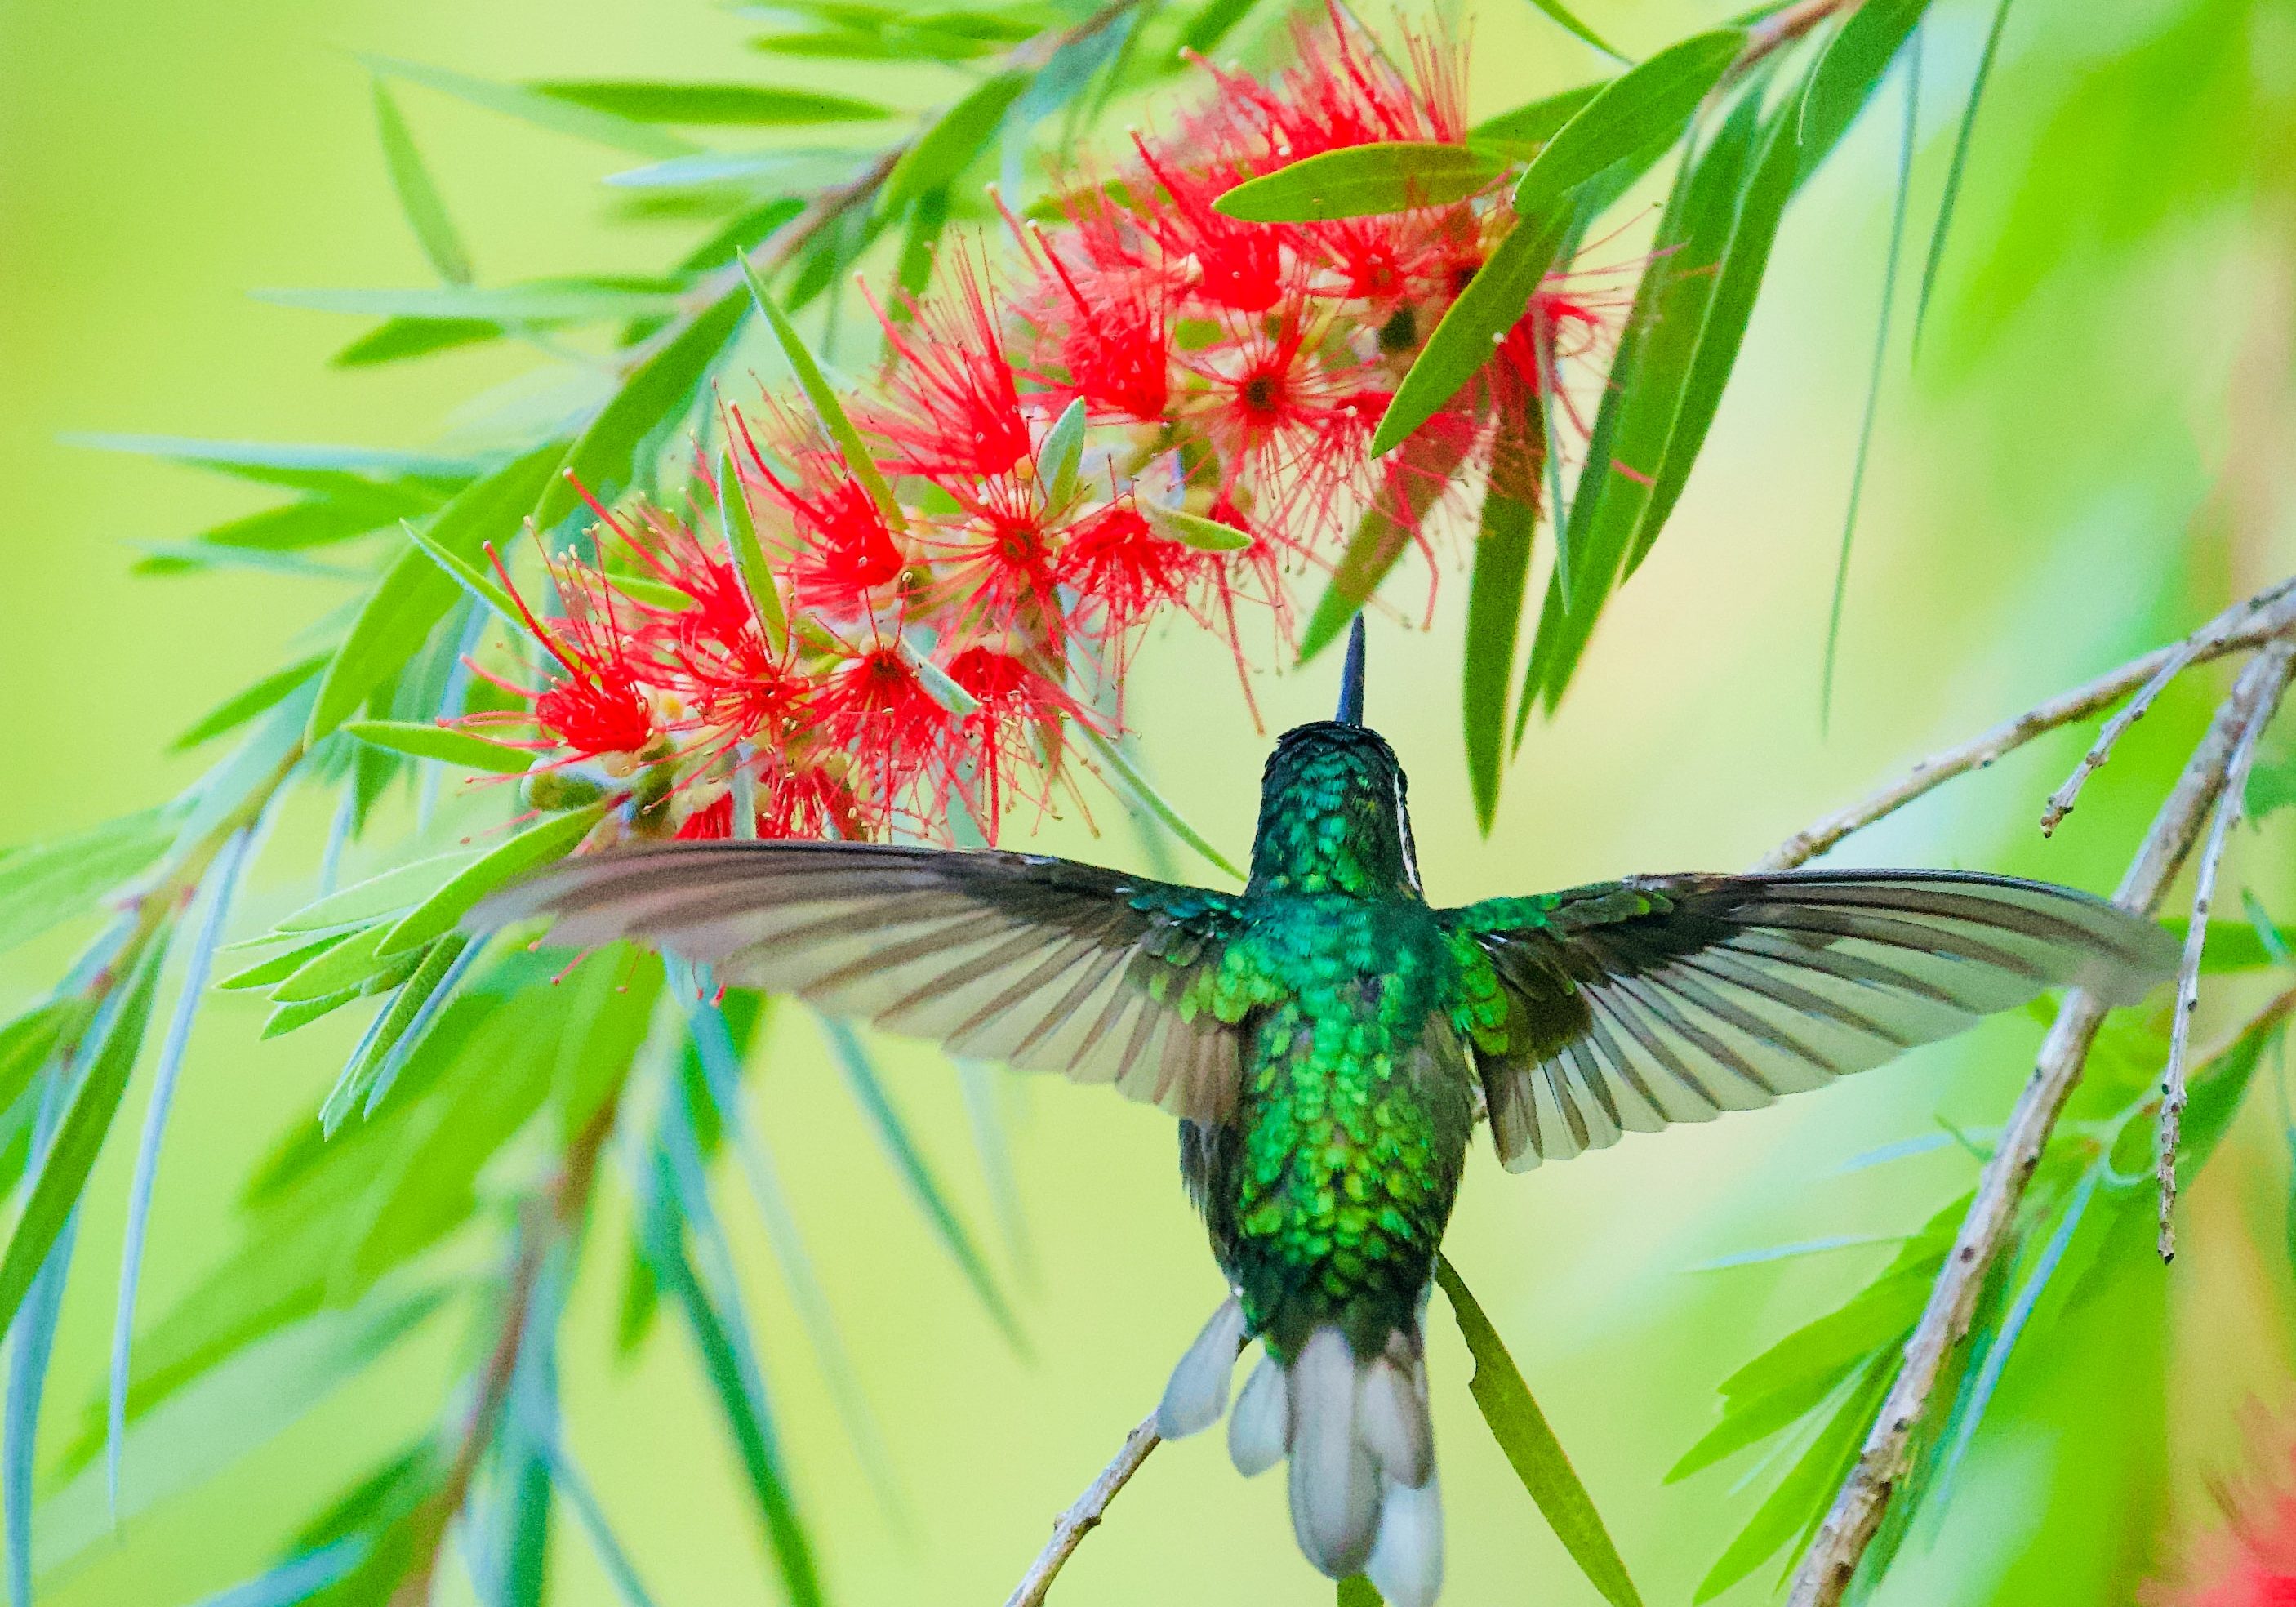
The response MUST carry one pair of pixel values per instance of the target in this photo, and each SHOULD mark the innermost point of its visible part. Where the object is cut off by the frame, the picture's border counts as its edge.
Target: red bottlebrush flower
(843, 549)
(1121, 571)
(871, 703)
(1012, 733)
(1340, 94)
(800, 800)
(994, 564)
(2251, 1562)
(1103, 323)
(957, 406)
(1283, 412)
(1233, 265)
(597, 707)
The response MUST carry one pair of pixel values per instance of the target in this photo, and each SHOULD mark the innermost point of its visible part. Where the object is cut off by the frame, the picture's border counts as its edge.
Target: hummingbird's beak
(1351, 679)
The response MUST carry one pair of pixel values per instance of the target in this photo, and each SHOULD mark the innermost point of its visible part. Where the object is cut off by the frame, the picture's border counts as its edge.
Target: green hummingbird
(1328, 1041)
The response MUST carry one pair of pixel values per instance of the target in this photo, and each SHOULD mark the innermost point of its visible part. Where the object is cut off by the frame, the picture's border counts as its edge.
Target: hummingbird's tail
(1365, 1497)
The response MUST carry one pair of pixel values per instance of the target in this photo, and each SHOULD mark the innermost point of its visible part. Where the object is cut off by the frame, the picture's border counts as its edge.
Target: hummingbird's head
(1332, 814)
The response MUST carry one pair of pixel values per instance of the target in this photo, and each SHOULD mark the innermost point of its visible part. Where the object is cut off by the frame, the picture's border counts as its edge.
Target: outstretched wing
(1633, 1004)
(1043, 963)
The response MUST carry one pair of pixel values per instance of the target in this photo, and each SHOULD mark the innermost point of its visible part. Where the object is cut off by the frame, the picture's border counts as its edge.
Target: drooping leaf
(1531, 1449)
(62, 1170)
(542, 110)
(333, 470)
(414, 595)
(418, 194)
(859, 462)
(1646, 104)
(655, 396)
(1470, 326)
(538, 845)
(2271, 788)
(749, 105)
(1128, 779)
(363, 903)
(1362, 181)
(955, 139)
(1953, 173)
(1565, 18)
(749, 554)
(1486, 664)
(1522, 131)
(1856, 60)
(236, 710)
(397, 1029)
(44, 884)
(443, 744)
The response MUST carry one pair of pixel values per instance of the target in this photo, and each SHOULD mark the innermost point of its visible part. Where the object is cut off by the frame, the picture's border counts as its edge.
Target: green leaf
(444, 743)
(475, 582)
(2271, 788)
(542, 110)
(395, 340)
(949, 147)
(943, 690)
(543, 844)
(919, 250)
(47, 882)
(1522, 131)
(1856, 60)
(826, 407)
(1561, 15)
(1062, 450)
(1462, 343)
(418, 196)
(27, 1042)
(364, 903)
(236, 710)
(753, 105)
(1362, 181)
(652, 592)
(1356, 1591)
(1127, 779)
(335, 969)
(908, 1161)
(1643, 105)
(412, 595)
(1960, 162)
(62, 1170)
(749, 556)
(1382, 537)
(1494, 615)
(401, 1023)
(543, 301)
(1194, 530)
(279, 967)
(1531, 1449)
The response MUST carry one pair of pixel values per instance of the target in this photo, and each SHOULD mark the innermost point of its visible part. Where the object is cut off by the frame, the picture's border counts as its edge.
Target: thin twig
(2229, 810)
(2243, 626)
(1069, 1528)
(1831, 1561)
(2061, 801)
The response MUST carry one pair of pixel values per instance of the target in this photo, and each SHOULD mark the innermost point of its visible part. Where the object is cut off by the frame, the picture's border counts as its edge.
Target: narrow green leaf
(1213, 22)
(876, 1104)
(546, 301)
(418, 195)
(1356, 1591)
(397, 340)
(652, 592)
(543, 844)
(412, 595)
(1194, 530)
(444, 744)
(1494, 615)
(944, 690)
(749, 105)
(1562, 16)
(292, 464)
(366, 1077)
(1472, 326)
(2271, 788)
(1362, 181)
(332, 970)
(1531, 1449)
(2269, 935)
(1856, 60)
(826, 407)
(1062, 451)
(957, 138)
(749, 556)
(279, 967)
(1128, 780)
(1647, 103)
(236, 710)
(1522, 131)
(27, 1042)
(1381, 538)
(542, 110)
(364, 903)
(919, 250)
(47, 882)
(475, 582)
(1960, 163)
(656, 395)
(62, 1170)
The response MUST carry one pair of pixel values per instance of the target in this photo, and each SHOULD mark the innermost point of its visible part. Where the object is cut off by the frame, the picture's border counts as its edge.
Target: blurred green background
(2069, 475)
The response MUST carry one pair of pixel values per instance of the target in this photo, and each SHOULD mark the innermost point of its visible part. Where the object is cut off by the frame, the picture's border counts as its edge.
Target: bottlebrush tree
(1308, 339)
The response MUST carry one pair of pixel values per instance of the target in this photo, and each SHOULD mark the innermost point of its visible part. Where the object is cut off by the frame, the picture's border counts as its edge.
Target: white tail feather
(1334, 1482)
(1406, 1561)
(1259, 1429)
(1197, 1393)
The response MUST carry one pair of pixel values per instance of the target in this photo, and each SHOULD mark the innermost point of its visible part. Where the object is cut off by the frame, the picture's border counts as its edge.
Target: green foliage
(47, 882)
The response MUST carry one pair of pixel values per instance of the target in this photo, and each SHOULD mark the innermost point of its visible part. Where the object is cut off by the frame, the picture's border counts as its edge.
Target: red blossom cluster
(2252, 1561)
(951, 611)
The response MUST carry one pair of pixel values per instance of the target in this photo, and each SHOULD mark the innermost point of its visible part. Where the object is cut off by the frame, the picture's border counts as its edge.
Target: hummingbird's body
(1328, 1041)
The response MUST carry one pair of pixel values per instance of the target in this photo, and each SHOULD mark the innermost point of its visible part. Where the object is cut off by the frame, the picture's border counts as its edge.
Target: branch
(2243, 626)
(1069, 1528)
(2229, 809)
(1831, 1561)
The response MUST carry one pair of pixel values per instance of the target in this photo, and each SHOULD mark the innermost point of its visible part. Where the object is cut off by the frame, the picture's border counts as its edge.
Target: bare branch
(2229, 810)
(1069, 1528)
(1831, 1561)
(2061, 801)
(2243, 626)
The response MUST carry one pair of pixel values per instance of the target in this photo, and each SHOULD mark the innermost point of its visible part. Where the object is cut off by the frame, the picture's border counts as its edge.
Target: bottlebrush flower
(871, 703)
(994, 563)
(841, 548)
(956, 405)
(596, 707)
(2251, 1562)
(1121, 571)
(1011, 737)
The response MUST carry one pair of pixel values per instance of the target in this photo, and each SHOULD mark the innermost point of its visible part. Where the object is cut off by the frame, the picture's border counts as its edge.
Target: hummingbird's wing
(1043, 963)
(1633, 1004)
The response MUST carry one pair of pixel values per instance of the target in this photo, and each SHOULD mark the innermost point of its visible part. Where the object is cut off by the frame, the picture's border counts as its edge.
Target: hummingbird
(1328, 1042)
